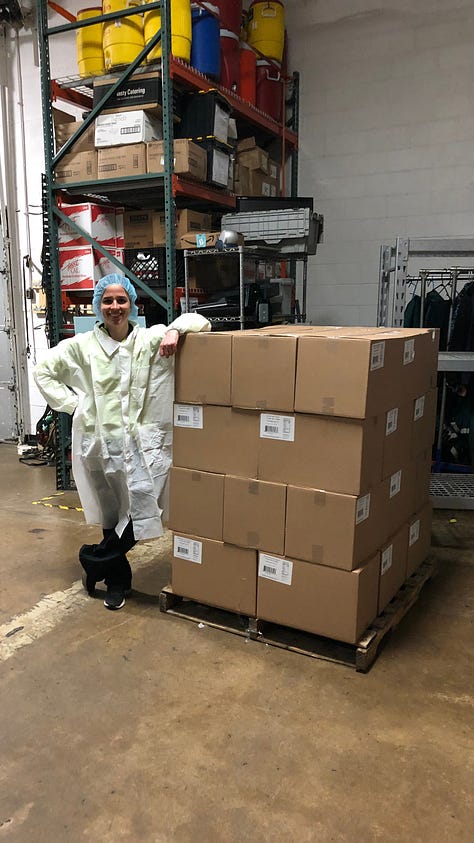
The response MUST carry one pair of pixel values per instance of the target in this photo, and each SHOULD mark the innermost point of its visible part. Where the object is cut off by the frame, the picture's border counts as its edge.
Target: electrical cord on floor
(46, 435)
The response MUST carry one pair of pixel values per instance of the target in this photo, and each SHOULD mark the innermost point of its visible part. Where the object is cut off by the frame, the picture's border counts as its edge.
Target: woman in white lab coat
(118, 382)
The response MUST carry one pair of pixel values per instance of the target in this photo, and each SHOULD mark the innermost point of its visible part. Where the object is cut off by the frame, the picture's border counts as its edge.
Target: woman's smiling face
(115, 308)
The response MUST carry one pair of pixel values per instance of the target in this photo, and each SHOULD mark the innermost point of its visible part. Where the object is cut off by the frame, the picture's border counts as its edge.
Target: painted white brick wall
(387, 120)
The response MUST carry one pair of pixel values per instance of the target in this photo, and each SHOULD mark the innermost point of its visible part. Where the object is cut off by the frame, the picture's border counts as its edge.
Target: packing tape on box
(196, 476)
(328, 403)
(253, 487)
(319, 498)
(253, 539)
(317, 553)
(261, 405)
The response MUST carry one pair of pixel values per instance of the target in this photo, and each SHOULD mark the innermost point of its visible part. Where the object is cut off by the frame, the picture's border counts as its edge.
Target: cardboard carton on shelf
(317, 599)
(120, 128)
(252, 156)
(77, 166)
(81, 267)
(121, 161)
(64, 131)
(189, 159)
(199, 239)
(215, 573)
(99, 221)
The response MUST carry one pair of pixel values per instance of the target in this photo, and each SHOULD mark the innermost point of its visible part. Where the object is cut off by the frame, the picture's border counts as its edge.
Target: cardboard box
(199, 240)
(397, 439)
(81, 267)
(189, 159)
(126, 127)
(138, 229)
(364, 371)
(99, 221)
(252, 157)
(344, 376)
(328, 528)
(398, 497)
(140, 91)
(317, 599)
(203, 369)
(263, 371)
(261, 184)
(196, 502)
(419, 538)
(206, 437)
(215, 573)
(339, 455)
(423, 416)
(120, 161)
(254, 514)
(241, 179)
(393, 565)
(187, 221)
(77, 166)
(64, 131)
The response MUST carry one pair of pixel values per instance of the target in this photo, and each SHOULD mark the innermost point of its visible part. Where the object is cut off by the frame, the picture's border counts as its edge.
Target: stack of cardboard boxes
(300, 484)
(80, 264)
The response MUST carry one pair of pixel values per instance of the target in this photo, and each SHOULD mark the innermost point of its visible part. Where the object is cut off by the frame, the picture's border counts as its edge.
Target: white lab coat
(121, 395)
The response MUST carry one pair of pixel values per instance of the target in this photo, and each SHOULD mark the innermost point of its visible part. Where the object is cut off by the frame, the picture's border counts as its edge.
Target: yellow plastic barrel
(266, 28)
(90, 56)
(123, 38)
(180, 30)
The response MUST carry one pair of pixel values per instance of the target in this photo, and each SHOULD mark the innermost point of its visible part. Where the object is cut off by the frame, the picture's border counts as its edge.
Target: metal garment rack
(448, 491)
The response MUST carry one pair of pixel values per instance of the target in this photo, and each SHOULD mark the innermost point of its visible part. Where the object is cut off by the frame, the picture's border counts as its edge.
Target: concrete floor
(138, 726)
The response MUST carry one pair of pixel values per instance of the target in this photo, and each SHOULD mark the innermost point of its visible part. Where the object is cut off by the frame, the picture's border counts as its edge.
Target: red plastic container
(230, 14)
(230, 60)
(269, 98)
(248, 73)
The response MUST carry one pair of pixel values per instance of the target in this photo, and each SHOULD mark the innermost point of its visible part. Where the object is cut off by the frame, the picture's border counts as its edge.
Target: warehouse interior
(125, 726)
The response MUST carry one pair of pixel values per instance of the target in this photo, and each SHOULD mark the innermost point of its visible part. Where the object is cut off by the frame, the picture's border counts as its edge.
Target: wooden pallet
(360, 656)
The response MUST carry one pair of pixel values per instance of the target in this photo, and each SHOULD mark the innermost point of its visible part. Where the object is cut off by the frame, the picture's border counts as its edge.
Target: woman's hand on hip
(169, 343)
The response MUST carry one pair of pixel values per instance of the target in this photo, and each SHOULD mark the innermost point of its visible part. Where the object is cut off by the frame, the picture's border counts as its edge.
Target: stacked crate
(300, 484)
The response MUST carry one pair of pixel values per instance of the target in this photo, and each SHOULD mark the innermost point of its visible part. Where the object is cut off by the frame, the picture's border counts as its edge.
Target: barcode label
(377, 356)
(189, 549)
(395, 483)
(189, 415)
(130, 130)
(392, 421)
(414, 532)
(409, 352)
(419, 408)
(277, 427)
(386, 559)
(362, 509)
(276, 569)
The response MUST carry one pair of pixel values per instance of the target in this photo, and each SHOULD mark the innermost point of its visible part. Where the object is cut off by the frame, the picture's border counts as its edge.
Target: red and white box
(99, 221)
(82, 267)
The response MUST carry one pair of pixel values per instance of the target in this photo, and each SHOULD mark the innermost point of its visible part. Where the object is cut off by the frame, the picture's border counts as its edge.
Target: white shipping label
(392, 421)
(386, 559)
(276, 569)
(409, 352)
(362, 509)
(414, 532)
(377, 356)
(188, 415)
(419, 408)
(189, 549)
(395, 483)
(277, 427)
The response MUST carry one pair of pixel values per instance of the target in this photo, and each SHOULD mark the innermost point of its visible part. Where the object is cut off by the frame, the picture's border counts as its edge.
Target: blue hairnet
(101, 287)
